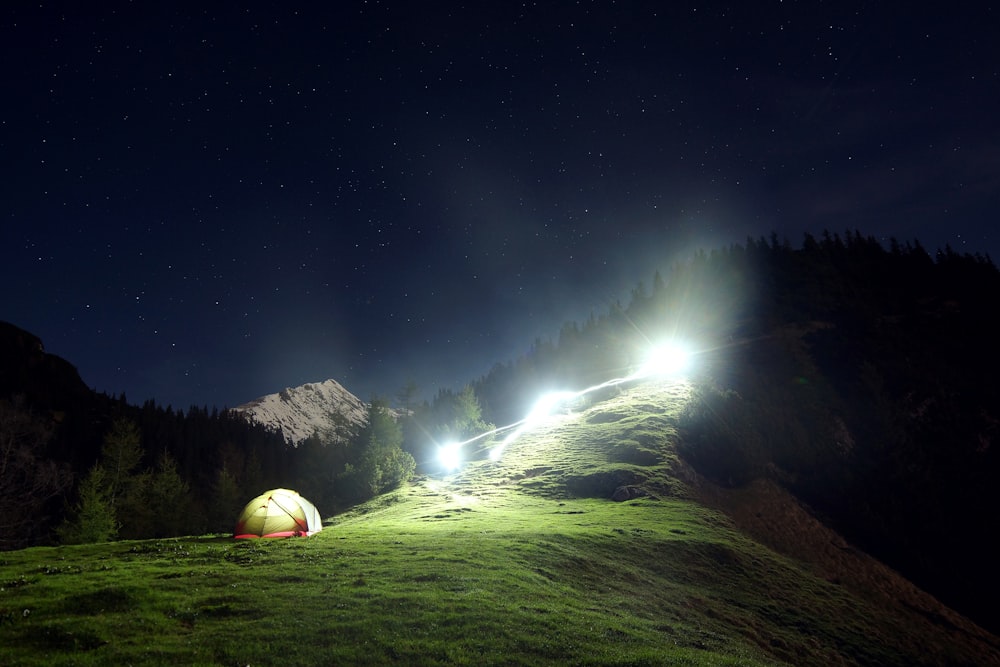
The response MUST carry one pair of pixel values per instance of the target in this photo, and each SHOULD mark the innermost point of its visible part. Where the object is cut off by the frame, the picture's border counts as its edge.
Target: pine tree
(92, 519)
(382, 464)
(407, 396)
(137, 514)
(253, 474)
(171, 497)
(121, 454)
(227, 500)
(468, 421)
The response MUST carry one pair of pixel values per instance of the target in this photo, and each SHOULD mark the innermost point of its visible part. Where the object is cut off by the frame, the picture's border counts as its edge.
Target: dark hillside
(891, 367)
(859, 377)
(53, 426)
(48, 381)
(522, 560)
(52, 388)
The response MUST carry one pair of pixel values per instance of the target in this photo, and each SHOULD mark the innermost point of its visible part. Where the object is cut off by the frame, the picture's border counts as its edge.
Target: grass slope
(521, 561)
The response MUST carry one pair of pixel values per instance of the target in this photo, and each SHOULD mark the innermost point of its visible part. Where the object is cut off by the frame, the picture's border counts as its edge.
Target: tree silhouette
(92, 518)
(28, 479)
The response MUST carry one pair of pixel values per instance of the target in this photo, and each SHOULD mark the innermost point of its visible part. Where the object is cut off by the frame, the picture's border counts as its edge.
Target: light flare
(664, 361)
(450, 455)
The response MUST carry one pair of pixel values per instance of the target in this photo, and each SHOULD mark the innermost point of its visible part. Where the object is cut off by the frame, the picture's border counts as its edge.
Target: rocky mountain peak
(324, 408)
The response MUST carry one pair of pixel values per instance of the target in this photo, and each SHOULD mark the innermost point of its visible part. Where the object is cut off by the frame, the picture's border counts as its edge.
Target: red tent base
(287, 533)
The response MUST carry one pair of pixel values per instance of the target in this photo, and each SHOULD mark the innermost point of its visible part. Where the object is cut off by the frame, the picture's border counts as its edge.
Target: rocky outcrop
(324, 409)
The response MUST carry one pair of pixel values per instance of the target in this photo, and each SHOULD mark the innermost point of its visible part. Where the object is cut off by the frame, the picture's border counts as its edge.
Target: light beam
(664, 361)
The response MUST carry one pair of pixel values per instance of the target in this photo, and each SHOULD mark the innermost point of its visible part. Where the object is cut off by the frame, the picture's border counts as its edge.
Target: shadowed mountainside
(524, 560)
(861, 378)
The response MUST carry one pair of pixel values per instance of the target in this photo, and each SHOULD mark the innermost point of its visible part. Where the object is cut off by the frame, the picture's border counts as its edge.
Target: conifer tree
(253, 473)
(407, 396)
(121, 454)
(169, 495)
(382, 464)
(227, 500)
(468, 421)
(134, 509)
(92, 519)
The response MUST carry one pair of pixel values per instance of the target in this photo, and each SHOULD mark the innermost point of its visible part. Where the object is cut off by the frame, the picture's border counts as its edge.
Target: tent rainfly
(278, 513)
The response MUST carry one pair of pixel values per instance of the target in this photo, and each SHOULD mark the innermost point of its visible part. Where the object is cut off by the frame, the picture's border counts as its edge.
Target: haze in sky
(203, 205)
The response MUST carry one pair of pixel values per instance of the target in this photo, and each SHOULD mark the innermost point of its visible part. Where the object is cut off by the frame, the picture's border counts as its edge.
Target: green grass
(518, 562)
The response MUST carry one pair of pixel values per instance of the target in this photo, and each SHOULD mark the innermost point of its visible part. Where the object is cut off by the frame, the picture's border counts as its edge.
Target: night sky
(204, 205)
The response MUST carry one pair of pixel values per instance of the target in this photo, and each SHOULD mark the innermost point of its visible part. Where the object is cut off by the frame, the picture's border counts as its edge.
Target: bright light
(666, 360)
(548, 403)
(450, 456)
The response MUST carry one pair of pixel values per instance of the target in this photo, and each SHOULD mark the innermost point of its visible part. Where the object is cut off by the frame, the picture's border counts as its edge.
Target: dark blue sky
(202, 205)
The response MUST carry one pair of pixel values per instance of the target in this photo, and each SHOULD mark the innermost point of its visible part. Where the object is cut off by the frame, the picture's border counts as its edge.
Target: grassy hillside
(521, 561)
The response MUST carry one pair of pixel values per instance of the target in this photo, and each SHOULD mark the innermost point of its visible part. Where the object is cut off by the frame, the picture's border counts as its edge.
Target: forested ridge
(858, 374)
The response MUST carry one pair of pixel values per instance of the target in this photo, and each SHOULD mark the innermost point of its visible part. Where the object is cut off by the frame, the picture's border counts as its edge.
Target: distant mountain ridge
(325, 408)
(45, 380)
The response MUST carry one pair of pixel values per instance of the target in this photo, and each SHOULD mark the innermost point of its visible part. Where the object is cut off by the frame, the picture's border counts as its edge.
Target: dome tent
(278, 513)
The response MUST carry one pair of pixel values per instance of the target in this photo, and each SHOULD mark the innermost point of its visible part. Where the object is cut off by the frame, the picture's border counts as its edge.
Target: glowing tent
(278, 513)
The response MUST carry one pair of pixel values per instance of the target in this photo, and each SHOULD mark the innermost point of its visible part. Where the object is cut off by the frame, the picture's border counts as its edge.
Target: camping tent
(278, 513)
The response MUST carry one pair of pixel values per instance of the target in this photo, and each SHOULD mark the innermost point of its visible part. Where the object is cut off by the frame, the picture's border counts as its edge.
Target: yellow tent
(278, 513)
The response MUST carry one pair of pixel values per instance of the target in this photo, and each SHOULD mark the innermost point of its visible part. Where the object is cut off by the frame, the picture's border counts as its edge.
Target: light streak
(663, 361)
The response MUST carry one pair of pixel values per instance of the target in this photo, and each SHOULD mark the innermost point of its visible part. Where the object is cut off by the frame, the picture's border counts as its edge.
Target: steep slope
(46, 381)
(324, 408)
(624, 448)
(50, 389)
(522, 560)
